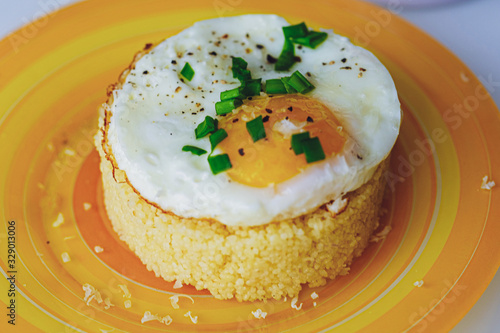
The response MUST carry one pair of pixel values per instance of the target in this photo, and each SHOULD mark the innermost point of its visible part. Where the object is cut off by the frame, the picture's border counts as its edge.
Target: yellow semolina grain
(246, 263)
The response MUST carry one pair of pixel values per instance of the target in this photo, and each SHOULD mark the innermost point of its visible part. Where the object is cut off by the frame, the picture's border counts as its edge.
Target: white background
(469, 28)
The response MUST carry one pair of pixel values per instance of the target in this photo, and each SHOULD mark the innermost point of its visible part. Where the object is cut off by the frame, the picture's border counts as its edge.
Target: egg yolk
(271, 160)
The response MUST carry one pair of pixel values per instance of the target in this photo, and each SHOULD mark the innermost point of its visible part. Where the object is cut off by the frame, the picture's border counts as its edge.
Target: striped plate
(54, 74)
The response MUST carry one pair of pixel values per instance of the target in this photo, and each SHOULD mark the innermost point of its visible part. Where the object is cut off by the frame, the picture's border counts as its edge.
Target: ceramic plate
(53, 76)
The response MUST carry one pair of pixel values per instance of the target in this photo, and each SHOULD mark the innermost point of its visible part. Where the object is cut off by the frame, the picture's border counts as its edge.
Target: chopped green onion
(297, 140)
(195, 150)
(239, 69)
(312, 40)
(239, 62)
(227, 105)
(313, 150)
(251, 87)
(300, 83)
(233, 93)
(287, 56)
(209, 125)
(288, 87)
(275, 86)
(219, 163)
(294, 31)
(217, 137)
(187, 71)
(255, 128)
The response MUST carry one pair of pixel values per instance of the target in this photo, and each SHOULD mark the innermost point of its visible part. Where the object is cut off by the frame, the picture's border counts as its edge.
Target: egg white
(155, 113)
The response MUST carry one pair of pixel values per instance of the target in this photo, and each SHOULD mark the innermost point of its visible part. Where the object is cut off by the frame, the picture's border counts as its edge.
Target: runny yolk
(271, 160)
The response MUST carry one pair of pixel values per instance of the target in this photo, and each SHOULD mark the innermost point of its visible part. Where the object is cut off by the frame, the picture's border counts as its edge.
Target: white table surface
(469, 28)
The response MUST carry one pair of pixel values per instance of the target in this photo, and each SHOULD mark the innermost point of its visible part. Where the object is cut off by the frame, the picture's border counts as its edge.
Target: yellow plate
(54, 74)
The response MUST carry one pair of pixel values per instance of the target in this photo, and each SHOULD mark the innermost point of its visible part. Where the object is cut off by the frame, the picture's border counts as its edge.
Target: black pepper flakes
(343, 60)
(310, 120)
(270, 59)
(362, 69)
(241, 152)
(225, 36)
(145, 72)
(259, 46)
(269, 111)
(297, 59)
(174, 62)
(346, 67)
(190, 53)
(235, 120)
(148, 46)
(359, 157)
(308, 74)
(213, 53)
(265, 119)
(290, 108)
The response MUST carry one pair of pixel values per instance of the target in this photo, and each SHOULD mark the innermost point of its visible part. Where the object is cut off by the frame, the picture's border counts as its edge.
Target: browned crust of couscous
(248, 263)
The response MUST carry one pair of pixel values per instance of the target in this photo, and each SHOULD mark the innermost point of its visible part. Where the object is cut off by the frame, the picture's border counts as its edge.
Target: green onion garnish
(298, 34)
(251, 87)
(287, 56)
(233, 93)
(297, 140)
(275, 86)
(288, 87)
(313, 150)
(300, 83)
(195, 150)
(219, 163)
(255, 128)
(209, 125)
(240, 71)
(295, 31)
(312, 40)
(187, 71)
(227, 105)
(217, 137)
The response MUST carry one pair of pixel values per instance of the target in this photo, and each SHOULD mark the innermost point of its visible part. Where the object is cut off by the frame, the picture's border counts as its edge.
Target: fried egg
(354, 111)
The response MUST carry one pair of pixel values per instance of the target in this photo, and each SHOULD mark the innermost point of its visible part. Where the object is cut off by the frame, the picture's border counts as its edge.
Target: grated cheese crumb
(65, 257)
(50, 147)
(294, 303)
(259, 314)
(314, 304)
(127, 303)
(487, 185)
(285, 299)
(381, 235)
(59, 220)
(86, 206)
(464, 77)
(98, 249)
(91, 293)
(68, 238)
(314, 295)
(69, 152)
(107, 303)
(175, 299)
(106, 331)
(193, 319)
(167, 320)
(126, 292)
(178, 284)
(418, 284)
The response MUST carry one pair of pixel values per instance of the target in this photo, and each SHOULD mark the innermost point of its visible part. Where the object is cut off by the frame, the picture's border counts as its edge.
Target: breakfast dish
(246, 155)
